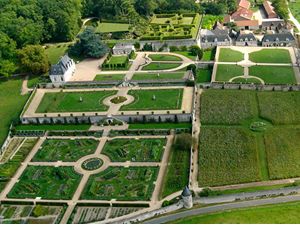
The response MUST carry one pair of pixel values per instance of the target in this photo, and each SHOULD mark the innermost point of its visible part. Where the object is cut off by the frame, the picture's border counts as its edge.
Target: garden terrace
(172, 26)
(155, 99)
(141, 150)
(164, 57)
(229, 55)
(226, 72)
(109, 77)
(251, 135)
(65, 150)
(133, 183)
(158, 76)
(113, 62)
(79, 101)
(111, 27)
(46, 182)
(271, 56)
(161, 66)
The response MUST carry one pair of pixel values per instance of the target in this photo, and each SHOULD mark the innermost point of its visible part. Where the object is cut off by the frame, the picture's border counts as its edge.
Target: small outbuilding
(123, 49)
(63, 70)
(280, 39)
(246, 40)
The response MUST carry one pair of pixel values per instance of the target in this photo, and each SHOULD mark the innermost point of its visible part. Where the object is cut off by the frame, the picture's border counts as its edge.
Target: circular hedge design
(118, 99)
(92, 164)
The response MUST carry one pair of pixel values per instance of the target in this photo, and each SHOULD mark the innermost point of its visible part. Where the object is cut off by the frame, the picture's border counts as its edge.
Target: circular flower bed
(92, 164)
(118, 99)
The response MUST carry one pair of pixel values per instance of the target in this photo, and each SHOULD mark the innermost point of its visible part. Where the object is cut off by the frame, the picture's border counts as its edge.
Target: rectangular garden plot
(227, 156)
(85, 101)
(65, 150)
(46, 182)
(133, 183)
(141, 150)
(160, 99)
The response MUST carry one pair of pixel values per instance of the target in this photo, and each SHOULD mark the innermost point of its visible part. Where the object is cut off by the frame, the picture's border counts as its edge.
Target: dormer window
(277, 39)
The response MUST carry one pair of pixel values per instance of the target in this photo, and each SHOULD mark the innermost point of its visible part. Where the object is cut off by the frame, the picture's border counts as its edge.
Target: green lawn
(11, 104)
(157, 76)
(285, 213)
(132, 183)
(144, 99)
(70, 101)
(295, 9)
(203, 75)
(226, 72)
(53, 127)
(208, 55)
(228, 156)
(159, 125)
(186, 54)
(109, 77)
(55, 52)
(112, 27)
(117, 59)
(161, 66)
(229, 55)
(142, 150)
(46, 182)
(271, 56)
(246, 80)
(66, 150)
(163, 57)
(274, 74)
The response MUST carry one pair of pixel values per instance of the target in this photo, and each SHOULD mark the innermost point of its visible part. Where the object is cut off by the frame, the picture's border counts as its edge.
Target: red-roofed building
(242, 14)
(247, 24)
(244, 4)
(269, 10)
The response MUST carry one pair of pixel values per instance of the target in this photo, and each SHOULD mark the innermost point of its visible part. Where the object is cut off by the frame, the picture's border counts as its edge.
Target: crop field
(248, 136)
(87, 101)
(270, 56)
(280, 107)
(158, 76)
(226, 72)
(227, 107)
(155, 99)
(141, 150)
(228, 156)
(164, 57)
(161, 66)
(132, 183)
(274, 74)
(65, 150)
(46, 182)
(229, 55)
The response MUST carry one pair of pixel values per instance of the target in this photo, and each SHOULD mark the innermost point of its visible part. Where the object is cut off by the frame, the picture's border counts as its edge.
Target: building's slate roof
(215, 38)
(282, 37)
(186, 192)
(61, 67)
(246, 37)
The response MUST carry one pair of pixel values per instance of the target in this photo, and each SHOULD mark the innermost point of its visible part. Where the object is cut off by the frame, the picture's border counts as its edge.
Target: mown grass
(203, 75)
(70, 101)
(164, 57)
(186, 54)
(155, 99)
(55, 52)
(226, 72)
(285, 213)
(109, 77)
(112, 27)
(229, 55)
(227, 156)
(159, 125)
(271, 56)
(11, 104)
(157, 76)
(246, 80)
(161, 66)
(227, 107)
(53, 127)
(274, 74)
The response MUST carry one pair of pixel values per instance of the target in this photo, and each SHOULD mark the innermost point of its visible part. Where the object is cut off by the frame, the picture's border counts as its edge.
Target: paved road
(217, 208)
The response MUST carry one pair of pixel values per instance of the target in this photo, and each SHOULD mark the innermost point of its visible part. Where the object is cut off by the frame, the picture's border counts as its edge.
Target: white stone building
(63, 70)
(123, 49)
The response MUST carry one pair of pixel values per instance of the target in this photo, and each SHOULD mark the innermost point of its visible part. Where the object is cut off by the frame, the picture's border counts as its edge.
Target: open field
(164, 57)
(161, 66)
(157, 76)
(229, 55)
(282, 146)
(11, 104)
(280, 107)
(55, 52)
(145, 100)
(285, 213)
(226, 72)
(132, 183)
(109, 77)
(142, 150)
(274, 74)
(112, 27)
(228, 158)
(270, 56)
(65, 150)
(70, 101)
(227, 107)
(46, 182)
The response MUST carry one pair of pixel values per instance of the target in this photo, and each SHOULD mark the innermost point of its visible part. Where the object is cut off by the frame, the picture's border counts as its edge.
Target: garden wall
(258, 87)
